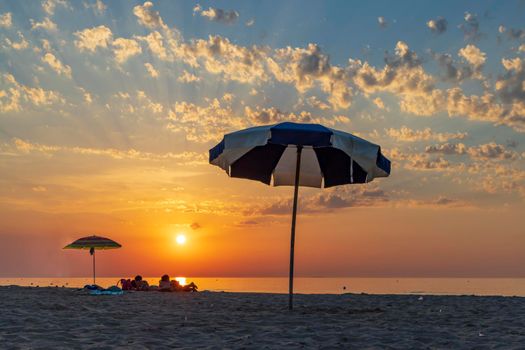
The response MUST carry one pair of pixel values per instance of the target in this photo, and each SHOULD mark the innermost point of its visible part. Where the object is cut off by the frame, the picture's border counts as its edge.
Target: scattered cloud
(22, 44)
(49, 6)
(187, 77)
(379, 103)
(473, 55)
(46, 24)
(492, 150)
(217, 15)
(447, 148)
(16, 94)
(486, 151)
(151, 70)
(92, 38)
(314, 102)
(26, 147)
(512, 33)
(455, 72)
(382, 22)
(125, 48)
(57, 65)
(470, 26)
(438, 25)
(406, 134)
(147, 17)
(6, 20)
(98, 7)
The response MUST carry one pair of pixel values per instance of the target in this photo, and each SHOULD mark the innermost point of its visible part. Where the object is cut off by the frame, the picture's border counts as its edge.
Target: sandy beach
(39, 318)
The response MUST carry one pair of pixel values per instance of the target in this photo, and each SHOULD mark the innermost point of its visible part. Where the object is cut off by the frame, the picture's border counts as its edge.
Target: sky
(108, 110)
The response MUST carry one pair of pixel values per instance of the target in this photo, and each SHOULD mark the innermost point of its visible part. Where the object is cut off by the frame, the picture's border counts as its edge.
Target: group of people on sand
(165, 285)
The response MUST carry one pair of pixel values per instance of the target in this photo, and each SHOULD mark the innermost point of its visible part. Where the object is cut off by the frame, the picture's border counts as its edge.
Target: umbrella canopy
(93, 243)
(329, 157)
(293, 154)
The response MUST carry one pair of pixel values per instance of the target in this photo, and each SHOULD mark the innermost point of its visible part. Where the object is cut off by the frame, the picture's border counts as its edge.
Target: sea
(313, 285)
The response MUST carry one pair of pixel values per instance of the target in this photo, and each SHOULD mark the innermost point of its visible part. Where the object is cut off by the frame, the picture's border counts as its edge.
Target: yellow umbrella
(92, 243)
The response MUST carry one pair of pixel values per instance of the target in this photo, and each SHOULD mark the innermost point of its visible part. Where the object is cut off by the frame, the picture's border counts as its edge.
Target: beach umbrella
(93, 243)
(294, 154)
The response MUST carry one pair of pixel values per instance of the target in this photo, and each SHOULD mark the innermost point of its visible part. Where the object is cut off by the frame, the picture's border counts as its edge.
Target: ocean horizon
(497, 286)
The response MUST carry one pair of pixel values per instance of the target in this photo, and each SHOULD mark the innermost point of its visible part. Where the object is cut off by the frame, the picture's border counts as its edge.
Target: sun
(180, 239)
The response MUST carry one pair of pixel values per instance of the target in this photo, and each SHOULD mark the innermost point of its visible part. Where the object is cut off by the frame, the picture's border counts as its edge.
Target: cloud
(454, 71)
(470, 27)
(156, 45)
(402, 74)
(473, 55)
(382, 22)
(20, 45)
(91, 38)
(314, 102)
(486, 151)
(328, 200)
(219, 56)
(310, 67)
(228, 97)
(87, 96)
(187, 77)
(512, 33)
(510, 89)
(57, 65)
(218, 15)
(350, 196)
(27, 147)
(406, 134)
(147, 17)
(12, 99)
(492, 150)
(195, 226)
(438, 25)
(151, 70)
(203, 123)
(49, 6)
(98, 7)
(423, 162)
(46, 24)
(379, 103)
(125, 48)
(6, 20)
(441, 202)
(484, 107)
(447, 148)
(272, 115)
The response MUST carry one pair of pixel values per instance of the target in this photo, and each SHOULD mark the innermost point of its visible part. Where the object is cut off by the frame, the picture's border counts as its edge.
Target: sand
(43, 318)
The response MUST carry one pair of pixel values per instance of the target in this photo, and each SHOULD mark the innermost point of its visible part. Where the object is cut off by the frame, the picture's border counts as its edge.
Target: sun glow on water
(181, 280)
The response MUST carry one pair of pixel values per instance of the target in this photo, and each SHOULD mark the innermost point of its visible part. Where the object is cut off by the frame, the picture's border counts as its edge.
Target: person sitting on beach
(165, 285)
(192, 287)
(139, 284)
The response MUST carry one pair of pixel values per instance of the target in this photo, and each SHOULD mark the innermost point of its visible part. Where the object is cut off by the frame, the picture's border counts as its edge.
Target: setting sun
(180, 239)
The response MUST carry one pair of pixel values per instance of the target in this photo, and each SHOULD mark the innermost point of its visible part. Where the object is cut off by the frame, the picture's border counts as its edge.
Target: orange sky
(108, 109)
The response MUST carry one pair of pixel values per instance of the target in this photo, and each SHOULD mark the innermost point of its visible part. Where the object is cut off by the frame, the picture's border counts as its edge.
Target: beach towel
(113, 290)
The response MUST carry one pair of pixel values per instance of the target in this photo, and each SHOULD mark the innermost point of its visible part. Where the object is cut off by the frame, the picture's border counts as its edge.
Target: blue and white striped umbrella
(329, 157)
(299, 155)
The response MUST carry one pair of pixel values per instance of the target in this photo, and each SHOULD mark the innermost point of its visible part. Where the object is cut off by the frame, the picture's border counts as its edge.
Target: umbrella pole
(294, 213)
(94, 266)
